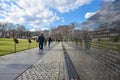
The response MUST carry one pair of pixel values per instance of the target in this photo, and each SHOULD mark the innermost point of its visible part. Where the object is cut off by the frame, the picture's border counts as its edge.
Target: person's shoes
(39, 49)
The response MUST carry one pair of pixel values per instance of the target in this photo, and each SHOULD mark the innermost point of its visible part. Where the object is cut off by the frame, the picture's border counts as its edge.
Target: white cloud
(36, 12)
(27, 11)
(66, 5)
(90, 14)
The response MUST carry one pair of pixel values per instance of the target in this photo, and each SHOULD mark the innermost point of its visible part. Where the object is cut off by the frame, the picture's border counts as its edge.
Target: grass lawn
(7, 45)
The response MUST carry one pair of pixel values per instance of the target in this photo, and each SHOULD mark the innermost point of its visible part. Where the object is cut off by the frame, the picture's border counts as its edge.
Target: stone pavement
(49, 67)
(55, 62)
(14, 64)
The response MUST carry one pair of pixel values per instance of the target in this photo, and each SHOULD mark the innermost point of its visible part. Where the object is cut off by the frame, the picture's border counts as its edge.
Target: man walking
(41, 41)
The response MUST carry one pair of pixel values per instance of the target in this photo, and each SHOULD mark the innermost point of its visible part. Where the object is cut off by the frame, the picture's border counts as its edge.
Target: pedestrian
(45, 42)
(49, 41)
(41, 41)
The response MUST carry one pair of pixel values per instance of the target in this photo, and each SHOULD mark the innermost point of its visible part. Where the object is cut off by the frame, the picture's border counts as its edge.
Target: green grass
(7, 45)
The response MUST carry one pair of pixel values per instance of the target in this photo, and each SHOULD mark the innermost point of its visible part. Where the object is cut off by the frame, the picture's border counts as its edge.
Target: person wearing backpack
(41, 41)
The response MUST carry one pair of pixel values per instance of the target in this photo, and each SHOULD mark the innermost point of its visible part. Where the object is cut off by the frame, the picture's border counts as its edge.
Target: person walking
(45, 42)
(49, 41)
(41, 41)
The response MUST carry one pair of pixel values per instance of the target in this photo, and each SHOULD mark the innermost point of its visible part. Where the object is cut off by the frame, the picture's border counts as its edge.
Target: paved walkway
(50, 67)
(13, 65)
(50, 64)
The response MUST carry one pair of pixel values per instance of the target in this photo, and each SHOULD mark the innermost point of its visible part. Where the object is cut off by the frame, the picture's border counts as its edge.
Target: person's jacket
(41, 39)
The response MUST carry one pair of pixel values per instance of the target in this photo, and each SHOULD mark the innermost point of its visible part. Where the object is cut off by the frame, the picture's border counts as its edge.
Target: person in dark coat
(49, 41)
(41, 41)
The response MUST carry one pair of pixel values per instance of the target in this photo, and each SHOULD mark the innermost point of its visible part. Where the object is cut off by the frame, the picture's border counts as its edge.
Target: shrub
(37, 40)
(29, 40)
(16, 40)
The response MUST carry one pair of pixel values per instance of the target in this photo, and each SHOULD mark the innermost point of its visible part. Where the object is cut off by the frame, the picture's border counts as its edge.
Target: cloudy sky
(45, 14)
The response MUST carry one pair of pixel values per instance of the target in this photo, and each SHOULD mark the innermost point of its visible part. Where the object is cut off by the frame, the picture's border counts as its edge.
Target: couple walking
(41, 40)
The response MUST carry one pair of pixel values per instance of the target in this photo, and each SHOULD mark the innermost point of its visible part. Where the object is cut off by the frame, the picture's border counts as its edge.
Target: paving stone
(49, 67)
(92, 64)
(16, 63)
